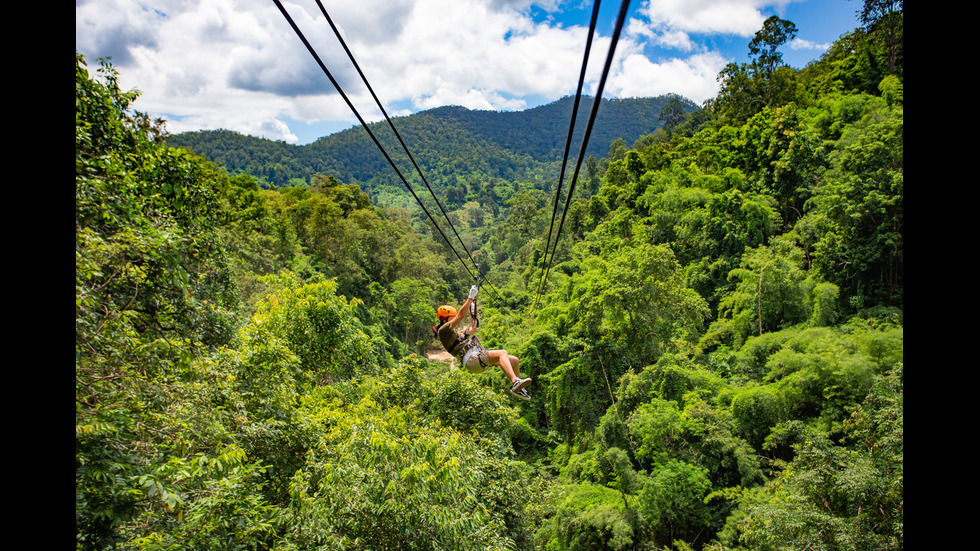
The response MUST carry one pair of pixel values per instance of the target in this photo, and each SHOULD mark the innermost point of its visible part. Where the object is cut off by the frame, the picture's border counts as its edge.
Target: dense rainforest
(716, 344)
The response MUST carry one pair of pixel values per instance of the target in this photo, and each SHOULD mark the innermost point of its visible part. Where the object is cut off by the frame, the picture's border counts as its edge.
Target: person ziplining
(466, 346)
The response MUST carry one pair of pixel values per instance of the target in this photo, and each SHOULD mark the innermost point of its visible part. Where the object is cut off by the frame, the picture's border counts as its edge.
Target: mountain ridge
(448, 141)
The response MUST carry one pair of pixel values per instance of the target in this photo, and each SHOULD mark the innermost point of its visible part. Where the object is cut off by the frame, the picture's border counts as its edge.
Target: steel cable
(623, 8)
(397, 134)
(357, 114)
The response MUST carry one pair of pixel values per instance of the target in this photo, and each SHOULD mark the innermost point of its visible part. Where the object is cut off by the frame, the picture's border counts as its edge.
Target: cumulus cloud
(738, 17)
(681, 24)
(237, 64)
(114, 27)
(693, 77)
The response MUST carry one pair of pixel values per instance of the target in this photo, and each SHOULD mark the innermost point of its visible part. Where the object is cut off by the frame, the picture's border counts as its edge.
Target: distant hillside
(450, 143)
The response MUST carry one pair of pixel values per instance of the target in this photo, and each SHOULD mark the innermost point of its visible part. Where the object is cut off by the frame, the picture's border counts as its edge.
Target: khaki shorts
(476, 359)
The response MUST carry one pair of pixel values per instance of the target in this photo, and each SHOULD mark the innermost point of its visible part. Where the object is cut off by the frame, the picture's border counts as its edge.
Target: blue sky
(236, 64)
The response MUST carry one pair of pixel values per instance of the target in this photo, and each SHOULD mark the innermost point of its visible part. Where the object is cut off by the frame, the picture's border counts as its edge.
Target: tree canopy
(717, 347)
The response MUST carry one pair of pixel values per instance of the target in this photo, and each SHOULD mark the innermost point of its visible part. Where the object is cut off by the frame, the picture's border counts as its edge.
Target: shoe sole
(520, 387)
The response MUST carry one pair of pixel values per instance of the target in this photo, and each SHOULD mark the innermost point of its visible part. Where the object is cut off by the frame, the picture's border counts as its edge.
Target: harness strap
(473, 343)
(465, 343)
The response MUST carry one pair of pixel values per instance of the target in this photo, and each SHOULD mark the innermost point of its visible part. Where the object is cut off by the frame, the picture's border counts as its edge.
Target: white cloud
(660, 35)
(693, 77)
(212, 64)
(672, 24)
(239, 60)
(473, 47)
(237, 64)
(738, 17)
(800, 44)
(471, 99)
(278, 128)
(114, 26)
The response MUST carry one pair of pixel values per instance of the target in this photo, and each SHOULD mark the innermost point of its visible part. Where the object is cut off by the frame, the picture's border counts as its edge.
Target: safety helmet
(446, 311)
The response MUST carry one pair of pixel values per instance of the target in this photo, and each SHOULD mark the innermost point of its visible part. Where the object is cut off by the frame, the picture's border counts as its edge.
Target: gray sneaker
(523, 394)
(519, 385)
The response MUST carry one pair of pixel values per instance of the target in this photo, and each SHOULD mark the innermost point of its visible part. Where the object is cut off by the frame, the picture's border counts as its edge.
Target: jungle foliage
(717, 349)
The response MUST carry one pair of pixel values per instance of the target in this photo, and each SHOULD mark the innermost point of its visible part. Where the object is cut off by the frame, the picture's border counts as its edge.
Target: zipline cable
(398, 135)
(333, 81)
(623, 8)
(568, 143)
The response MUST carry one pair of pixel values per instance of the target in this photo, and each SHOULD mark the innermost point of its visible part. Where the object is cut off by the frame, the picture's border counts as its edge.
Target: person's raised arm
(464, 310)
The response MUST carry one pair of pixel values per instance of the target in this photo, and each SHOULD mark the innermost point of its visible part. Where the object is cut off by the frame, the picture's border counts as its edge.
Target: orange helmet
(446, 311)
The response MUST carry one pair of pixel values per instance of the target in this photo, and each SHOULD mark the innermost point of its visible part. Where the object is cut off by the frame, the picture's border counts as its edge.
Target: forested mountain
(449, 143)
(717, 347)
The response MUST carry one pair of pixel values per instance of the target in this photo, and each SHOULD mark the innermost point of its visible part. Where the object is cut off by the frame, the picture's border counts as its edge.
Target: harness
(464, 343)
(473, 349)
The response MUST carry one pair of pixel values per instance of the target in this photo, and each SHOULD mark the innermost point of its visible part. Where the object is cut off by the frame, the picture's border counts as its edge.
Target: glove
(473, 291)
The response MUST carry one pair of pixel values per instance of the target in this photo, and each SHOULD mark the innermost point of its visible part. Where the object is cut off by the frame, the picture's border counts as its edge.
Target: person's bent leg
(515, 364)
(503, 359)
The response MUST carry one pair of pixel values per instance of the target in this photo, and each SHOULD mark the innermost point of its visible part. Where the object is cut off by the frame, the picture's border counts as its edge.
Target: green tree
(321, 327)
(617, 150)
(409, 460)
(385, 481)
(672, 114)
(738, 99)
(859, 213)
(672, 501)
(892, 90)
(591, 517)
(524, 220)
(660, 430)
(775, 148)
(770, 290)
(154, 295)
(637, 297)
(409, 303)
(756, 410)
(746, 89)
(884, 19)
(839, 497)
(764, 49)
